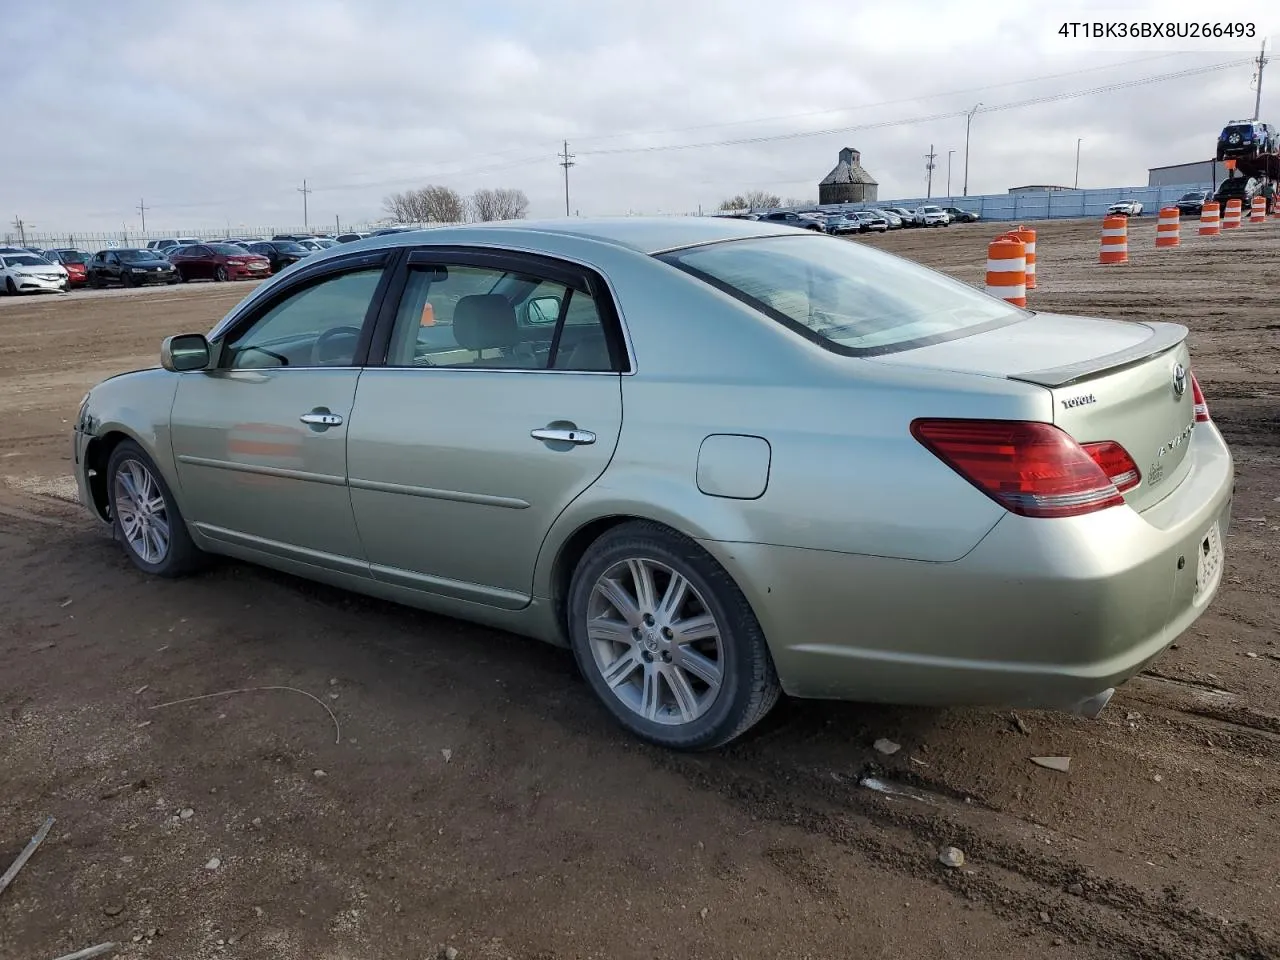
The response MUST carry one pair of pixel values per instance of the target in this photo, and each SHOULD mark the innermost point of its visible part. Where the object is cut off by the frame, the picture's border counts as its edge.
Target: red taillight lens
(1031, 469)
(1115, 463)
(1197, 397)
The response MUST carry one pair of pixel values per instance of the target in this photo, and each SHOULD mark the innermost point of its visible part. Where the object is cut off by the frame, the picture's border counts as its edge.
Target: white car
(1127, 208)
(930, 216)
(28, 273)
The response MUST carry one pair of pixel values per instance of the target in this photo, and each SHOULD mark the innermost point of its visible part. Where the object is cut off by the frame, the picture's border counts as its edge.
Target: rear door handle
(563, 435)
(321, 419)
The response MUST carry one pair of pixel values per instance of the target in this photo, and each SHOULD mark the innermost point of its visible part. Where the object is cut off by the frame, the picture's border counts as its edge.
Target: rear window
(847, 297)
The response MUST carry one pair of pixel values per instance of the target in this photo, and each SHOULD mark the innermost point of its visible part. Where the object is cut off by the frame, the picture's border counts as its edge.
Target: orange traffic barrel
(1209, 226)
(1028, 238)
(1007, 269)
(1231, 219)
(1275, 207)
(1258, 210)
(1115, 240)
(1168, 228)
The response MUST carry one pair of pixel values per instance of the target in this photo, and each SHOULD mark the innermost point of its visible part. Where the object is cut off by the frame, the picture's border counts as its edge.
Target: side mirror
(183, 352)
(543, 310)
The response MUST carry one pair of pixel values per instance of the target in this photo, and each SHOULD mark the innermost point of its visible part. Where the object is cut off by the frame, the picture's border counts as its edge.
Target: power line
(1031, 101)
(883, 103)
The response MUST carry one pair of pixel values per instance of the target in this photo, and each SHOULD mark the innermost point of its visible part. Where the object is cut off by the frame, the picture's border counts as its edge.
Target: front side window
(458, 315)
(317, 326)
(848, 297)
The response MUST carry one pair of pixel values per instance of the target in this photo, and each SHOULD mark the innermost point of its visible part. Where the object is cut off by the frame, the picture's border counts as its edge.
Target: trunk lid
(1109, 380)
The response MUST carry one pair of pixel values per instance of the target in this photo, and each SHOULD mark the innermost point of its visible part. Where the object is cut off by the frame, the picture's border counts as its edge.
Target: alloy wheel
(655, 641)
(140, 505)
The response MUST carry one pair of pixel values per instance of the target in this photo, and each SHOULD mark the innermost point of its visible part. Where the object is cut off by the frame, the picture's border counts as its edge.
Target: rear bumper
(1040, 614)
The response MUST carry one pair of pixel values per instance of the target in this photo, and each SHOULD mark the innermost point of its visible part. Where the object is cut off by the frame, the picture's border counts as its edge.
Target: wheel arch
(97, 454)
(575, 531)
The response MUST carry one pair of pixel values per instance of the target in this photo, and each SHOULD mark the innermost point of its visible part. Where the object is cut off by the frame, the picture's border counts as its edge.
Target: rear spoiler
(1164, 336)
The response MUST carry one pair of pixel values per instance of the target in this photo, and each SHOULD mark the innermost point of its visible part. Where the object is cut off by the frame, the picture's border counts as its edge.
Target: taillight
(1197, 397)
(1031, 469)
(1115, 463)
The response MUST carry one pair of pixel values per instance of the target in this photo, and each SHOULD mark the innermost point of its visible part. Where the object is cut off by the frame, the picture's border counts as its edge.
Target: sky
(213, 114)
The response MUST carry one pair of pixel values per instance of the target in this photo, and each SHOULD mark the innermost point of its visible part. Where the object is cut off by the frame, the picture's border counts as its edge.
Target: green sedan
(720, 460)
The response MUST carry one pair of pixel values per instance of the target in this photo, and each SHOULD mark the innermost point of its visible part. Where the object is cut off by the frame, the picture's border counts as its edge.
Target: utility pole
(21, 227)
(1076, 185)
(968, 119)
(142, 209)
(1261, 62)
(929, 165)
(304, 190)
(566, 161)
(949, 153)
(337, 225)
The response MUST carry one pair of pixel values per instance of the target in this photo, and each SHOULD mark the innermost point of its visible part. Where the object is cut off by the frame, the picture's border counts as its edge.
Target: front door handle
(321, 419)
(563, 435)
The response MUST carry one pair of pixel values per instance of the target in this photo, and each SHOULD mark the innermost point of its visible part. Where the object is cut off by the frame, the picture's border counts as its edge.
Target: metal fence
(92, 242)
(1037, 205)
(1049, 204)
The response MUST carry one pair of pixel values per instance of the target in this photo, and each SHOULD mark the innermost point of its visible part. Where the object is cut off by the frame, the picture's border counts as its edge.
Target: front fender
(134, 405)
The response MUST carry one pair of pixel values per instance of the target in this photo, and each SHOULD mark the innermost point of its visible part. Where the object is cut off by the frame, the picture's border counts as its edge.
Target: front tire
(145, 516)
(10, 287)
(667, 640)
(220, 274)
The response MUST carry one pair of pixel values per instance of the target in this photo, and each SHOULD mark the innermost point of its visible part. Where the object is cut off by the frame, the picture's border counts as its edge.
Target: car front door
(260, 438)
(498, 401)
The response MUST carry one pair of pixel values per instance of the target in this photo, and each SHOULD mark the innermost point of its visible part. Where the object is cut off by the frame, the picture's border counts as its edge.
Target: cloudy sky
(214, 113)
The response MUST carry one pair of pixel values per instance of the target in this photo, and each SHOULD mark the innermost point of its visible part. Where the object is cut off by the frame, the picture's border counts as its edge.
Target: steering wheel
(317, 349)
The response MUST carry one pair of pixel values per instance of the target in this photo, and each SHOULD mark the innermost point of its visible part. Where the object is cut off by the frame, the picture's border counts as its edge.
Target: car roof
(647, 235)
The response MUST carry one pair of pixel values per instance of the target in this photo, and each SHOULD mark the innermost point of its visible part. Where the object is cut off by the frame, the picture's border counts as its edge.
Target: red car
(74, 261)
(217, 261)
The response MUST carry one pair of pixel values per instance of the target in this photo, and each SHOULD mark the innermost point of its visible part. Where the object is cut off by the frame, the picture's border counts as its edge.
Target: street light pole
(1076, 186)
(949, 153)
(968, 119)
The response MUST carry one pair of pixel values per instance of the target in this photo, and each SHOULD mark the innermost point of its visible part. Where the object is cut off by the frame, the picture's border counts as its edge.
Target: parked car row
(867, 220)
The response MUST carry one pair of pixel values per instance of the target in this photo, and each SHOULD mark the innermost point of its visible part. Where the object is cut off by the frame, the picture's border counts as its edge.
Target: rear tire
(667, 641)
(145, 516)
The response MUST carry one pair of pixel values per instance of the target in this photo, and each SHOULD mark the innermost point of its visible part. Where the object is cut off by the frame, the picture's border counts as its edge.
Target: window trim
(317, 274)
(574, 275)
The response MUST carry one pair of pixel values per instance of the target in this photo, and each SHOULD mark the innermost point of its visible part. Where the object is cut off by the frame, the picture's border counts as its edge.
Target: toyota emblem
(1179, 380)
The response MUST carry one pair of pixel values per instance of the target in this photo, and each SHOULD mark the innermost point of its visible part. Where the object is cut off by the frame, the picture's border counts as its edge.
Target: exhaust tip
(1091, 707)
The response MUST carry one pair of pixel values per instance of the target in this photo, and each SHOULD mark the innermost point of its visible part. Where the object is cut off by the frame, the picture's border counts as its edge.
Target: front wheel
(667, 640)
(220, 274)
(10, 287)
(145, 516)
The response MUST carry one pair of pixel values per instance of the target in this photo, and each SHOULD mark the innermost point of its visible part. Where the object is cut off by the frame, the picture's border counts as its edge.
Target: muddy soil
(462, 789)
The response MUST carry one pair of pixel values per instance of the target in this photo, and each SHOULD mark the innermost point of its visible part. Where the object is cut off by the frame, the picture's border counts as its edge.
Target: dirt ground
(480, 800)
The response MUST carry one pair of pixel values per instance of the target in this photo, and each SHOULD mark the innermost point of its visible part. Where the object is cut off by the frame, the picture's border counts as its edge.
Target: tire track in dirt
(1111, 914)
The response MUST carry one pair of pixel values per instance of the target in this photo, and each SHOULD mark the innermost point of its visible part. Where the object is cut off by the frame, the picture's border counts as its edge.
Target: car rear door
(260, 440)
(497, 402)
(199, 260)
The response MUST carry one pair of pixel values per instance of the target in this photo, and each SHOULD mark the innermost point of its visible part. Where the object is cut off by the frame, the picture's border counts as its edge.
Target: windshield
(848, 297)
(1192, 196)
(26, 260)
(71, 256)
(228, 249)
(138, 256)
(288, 246)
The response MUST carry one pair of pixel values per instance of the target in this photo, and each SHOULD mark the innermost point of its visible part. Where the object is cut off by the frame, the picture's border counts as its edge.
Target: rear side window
(847, 297)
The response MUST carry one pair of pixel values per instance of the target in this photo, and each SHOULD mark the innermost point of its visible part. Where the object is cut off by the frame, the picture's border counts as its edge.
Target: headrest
(485, 322)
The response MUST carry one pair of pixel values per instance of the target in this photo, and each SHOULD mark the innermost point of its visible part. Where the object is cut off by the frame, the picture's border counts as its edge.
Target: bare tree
(429, 204)
(442, 205)
(500, 204)
(752, 200)
(793, 202)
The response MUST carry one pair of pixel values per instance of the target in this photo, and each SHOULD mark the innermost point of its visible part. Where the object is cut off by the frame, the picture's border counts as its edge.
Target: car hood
(43, 268)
